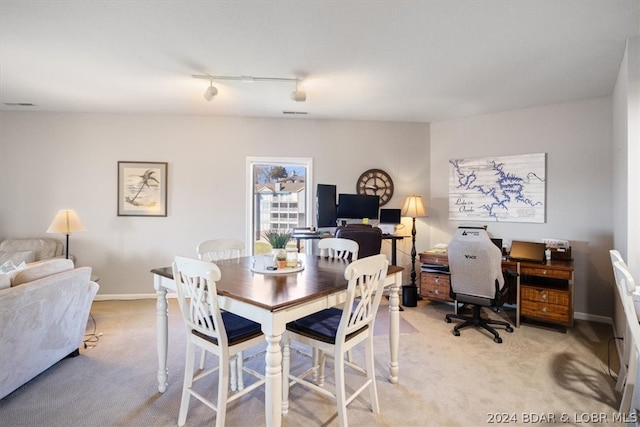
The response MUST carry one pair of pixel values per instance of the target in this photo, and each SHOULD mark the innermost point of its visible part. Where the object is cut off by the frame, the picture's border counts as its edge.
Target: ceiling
(413, 61)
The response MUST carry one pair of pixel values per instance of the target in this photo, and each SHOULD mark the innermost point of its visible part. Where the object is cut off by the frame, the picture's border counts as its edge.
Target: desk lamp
(66, 222)
(414, 208)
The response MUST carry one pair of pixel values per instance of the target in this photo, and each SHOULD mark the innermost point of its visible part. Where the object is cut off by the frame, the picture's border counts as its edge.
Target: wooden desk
(543, 291)
(273, 301)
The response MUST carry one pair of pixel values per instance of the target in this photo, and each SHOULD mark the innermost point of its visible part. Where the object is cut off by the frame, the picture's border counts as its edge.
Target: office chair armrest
(511, 273)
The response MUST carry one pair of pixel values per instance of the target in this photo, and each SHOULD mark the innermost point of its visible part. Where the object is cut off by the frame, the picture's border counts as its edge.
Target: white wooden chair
(336, 331)
(622, 374)
(626, 286)
(334, 247)
(219, 249)
(221, 333)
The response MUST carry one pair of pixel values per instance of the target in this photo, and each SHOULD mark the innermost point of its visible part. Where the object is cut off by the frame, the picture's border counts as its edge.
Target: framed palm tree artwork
(142, 188)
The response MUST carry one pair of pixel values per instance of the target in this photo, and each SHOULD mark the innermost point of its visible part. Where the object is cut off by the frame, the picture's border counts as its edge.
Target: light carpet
(444, 380)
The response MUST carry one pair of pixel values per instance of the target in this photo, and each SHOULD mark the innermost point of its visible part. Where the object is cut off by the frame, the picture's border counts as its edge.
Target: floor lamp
(413, 208)
(66, 222)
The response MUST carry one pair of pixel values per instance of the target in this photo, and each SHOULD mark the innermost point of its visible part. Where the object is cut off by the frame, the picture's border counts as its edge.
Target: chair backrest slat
(197, 296)
(366, 281)
(219, 249)
(338, 248)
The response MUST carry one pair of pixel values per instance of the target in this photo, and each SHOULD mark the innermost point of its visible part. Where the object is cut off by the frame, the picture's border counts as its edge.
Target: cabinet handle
(437, 280)
(544, 309)
(544, 272)
(437, 291)
(543, 296)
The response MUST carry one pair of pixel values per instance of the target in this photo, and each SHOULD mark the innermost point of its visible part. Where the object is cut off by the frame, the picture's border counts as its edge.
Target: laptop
(527, 251)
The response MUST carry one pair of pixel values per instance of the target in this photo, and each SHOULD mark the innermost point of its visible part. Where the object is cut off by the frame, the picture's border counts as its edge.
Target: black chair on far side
(369, 238)
(475, 264)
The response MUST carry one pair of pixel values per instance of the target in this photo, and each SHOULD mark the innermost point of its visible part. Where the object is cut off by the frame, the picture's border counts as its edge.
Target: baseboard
(593, 318)
(109, 297)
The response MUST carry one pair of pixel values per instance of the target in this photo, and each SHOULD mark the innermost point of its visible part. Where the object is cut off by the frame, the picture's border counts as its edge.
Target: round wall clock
(376, 182)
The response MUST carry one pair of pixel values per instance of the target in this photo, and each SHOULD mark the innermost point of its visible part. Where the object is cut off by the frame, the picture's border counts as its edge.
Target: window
(279, 194)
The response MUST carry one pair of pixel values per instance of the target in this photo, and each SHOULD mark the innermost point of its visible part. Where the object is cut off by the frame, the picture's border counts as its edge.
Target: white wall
(626, 155)
(577, 139)
(69, 161)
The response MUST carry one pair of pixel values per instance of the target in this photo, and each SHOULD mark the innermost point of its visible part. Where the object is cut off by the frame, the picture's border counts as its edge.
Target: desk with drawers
(542, 292)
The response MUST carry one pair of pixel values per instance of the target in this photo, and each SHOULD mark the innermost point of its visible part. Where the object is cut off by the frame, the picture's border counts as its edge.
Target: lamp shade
(66, 222)
(413, 207)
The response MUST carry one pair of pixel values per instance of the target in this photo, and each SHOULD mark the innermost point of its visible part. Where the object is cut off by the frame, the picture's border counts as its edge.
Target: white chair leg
(371, 376)
(629, 385)
(188, 382)
(321, 362)
(314, 362)
(233, 378)
(341, 395)
(240, 364)
(203, 356)
(223, 390)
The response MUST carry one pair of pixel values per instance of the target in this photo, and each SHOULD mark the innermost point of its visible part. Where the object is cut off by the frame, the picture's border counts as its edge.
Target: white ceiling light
(211, 91)
(297, 95)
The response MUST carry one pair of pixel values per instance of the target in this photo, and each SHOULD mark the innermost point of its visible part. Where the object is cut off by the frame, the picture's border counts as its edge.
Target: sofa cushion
(41, 269)
(17, 257)
(5, 281)
(44, 248)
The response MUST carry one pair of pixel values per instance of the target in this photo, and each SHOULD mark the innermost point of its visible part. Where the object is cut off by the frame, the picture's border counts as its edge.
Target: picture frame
(142, 188)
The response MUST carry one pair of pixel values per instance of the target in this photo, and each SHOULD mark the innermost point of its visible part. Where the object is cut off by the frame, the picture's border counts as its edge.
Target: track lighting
(211, 91)
(297, 95)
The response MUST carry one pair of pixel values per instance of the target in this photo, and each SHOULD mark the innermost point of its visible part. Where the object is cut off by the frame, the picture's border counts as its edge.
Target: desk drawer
(435, 286)
(545, 272)
(546, 304)
(545, 311)
(543, 295)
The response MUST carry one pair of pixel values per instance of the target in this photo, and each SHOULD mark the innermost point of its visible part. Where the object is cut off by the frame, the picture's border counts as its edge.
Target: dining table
(273, 298)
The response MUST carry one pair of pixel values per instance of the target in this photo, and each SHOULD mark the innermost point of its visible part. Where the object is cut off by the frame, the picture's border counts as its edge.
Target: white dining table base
(273, 326)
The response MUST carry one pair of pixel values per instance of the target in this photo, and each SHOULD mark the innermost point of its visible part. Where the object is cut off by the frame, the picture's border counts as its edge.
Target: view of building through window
(280, 195)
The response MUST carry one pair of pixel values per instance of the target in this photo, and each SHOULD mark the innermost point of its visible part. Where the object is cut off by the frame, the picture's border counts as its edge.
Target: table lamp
(66, 222)
(413, 208)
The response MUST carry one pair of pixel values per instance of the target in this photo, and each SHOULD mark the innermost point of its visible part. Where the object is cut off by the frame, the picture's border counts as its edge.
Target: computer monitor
(390, 216)
(326, 208)
(358, 206)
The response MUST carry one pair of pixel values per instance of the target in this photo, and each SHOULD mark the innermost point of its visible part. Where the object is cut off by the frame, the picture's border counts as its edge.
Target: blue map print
(507, 188)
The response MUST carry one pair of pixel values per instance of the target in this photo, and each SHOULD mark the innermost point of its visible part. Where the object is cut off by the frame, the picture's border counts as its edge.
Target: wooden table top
(273, 292)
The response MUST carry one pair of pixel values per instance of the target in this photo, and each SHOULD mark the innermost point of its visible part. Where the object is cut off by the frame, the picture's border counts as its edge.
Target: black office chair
(475, 264)
(369, 238)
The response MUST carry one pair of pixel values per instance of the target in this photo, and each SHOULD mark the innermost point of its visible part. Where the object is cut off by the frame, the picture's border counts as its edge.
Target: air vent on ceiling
(295, 112)
(19, 104)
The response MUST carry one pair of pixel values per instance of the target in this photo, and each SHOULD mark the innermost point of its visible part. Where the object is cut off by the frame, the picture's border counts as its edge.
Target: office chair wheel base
(508, 329)
(498, 340)
(446, 319)
(456, 333)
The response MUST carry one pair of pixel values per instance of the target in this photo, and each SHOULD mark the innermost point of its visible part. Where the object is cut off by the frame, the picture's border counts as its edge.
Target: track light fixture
(297, 95)
(211, 91)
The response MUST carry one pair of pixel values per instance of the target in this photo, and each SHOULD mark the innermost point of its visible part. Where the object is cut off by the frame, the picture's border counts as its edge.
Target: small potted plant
(278, 240)
(281, 259)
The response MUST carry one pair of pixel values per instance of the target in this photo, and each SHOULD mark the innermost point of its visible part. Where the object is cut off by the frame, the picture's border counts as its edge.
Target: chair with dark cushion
(369, 238)
(335, 331)
(218, 332)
